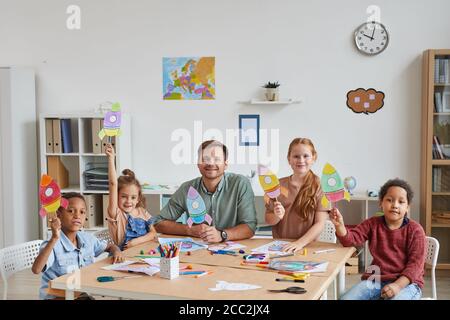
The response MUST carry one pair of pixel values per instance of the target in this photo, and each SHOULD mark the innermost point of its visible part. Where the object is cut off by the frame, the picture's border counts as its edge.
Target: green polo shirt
(232, 203)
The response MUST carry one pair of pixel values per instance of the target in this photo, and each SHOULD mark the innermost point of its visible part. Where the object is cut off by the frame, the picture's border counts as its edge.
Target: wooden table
(224, 267)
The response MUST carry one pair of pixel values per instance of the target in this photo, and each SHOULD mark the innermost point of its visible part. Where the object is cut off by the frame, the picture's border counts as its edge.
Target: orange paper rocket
(50, 196)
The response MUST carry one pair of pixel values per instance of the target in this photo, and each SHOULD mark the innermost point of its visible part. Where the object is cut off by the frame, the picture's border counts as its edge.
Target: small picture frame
(446, 101)
(249, 129)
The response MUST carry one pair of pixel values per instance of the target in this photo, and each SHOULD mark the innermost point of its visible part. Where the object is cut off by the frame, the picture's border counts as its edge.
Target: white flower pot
(272, 94)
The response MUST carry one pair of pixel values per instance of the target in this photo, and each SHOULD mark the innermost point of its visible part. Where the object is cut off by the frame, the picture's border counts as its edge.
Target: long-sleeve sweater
(399, 252)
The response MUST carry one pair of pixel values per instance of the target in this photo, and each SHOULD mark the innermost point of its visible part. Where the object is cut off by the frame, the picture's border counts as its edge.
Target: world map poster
(189, 78)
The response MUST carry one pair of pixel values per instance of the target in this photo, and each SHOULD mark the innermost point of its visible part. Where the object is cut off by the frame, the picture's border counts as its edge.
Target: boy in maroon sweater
(397, 245)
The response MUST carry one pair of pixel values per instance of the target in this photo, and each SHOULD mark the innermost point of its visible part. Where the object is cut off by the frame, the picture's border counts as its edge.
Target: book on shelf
(437, 144)
(438, 102)
(436, 70)
(66, 136)
(441, 70)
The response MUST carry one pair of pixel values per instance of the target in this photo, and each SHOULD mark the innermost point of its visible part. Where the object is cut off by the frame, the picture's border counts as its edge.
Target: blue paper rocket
(196, 208)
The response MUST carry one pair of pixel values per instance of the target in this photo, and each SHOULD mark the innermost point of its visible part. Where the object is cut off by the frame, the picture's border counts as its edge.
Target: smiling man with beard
(228, 197)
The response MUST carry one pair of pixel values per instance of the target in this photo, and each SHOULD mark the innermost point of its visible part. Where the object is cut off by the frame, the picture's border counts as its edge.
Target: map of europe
(189, 78)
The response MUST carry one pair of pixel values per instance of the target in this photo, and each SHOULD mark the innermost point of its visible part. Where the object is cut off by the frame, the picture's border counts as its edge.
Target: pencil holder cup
(169, 268)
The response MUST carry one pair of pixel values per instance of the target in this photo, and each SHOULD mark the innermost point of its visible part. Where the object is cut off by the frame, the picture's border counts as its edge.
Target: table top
(224, 268)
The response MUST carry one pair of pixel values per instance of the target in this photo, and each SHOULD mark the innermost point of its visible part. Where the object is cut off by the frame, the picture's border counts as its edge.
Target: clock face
(371, 38)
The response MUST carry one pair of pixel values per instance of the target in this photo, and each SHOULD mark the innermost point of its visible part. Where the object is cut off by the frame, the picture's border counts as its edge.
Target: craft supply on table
(324, 251)
(170, 263)
(110, 278)
(297, 290)
(290, 280)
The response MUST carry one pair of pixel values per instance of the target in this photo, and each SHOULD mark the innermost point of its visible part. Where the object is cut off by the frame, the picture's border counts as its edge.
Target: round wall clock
(371, 38)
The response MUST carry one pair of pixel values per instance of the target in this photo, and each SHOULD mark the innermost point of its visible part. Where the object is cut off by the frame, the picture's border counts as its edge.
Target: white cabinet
(18, 154)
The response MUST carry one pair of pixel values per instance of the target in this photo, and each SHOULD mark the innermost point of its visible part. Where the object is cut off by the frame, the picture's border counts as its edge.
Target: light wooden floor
(25, 285)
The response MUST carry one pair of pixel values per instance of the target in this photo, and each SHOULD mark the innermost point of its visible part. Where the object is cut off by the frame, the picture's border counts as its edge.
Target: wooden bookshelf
(435, 170)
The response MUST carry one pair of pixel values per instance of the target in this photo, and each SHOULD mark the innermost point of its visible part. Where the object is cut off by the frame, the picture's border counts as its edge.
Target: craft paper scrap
(149, 270)
(187, 243)
(227, 245)
(274, 247)
(114, 266)
(298, 266)
(223, 285)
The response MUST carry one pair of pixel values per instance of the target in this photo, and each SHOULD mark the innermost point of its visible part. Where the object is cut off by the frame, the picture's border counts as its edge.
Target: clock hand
(365, 35)
(373, 32)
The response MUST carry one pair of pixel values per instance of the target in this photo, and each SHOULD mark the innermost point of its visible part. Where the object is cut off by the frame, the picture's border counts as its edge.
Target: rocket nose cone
(262, 170)
(328, 169)
(45, 180)
(192, 193)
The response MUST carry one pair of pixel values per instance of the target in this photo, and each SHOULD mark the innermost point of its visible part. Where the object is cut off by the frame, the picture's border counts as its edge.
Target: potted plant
(272, 93)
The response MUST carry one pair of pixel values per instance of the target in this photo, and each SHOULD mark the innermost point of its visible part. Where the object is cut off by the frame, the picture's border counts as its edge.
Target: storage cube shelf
(85, 148)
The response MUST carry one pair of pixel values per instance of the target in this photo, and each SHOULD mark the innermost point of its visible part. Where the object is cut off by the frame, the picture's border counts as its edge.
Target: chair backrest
(328, 233)
(17, 258)
(431, 256)
(103, 235)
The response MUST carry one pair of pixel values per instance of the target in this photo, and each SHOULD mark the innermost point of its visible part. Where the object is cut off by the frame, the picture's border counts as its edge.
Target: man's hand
(197, 230)
(211, 235)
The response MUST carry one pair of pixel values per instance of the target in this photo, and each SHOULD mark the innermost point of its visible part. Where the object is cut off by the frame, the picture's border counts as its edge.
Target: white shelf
(93, 154)
(279, 102)
(71, 188)
(73, 154)
(96, 191)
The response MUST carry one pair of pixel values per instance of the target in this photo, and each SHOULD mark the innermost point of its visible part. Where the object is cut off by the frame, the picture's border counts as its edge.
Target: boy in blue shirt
(70, 249)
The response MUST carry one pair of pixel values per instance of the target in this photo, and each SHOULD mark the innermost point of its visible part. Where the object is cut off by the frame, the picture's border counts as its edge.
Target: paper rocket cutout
(50, 196)
(332, 186)
(111, 123)
(196, 208)
(269, 182)
(231, 286)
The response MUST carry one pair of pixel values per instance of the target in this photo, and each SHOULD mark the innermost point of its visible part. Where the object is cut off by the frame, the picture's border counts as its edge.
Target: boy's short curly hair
(396, 183)
(70, 195)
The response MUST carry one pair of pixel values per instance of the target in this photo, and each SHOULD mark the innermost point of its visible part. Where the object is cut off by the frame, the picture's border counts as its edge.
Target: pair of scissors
(110, 278)
(297, 290)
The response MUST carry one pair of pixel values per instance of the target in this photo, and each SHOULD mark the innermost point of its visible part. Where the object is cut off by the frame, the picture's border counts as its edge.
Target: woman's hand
(293, 247)
(278, 210)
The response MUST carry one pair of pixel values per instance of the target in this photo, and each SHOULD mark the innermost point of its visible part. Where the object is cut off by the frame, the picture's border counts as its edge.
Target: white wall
(18, 170)
(306, 45)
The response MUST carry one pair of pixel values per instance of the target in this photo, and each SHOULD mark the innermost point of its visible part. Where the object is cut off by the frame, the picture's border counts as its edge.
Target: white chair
(103, 235)
(17, 258)
(431, 256)
(329, 233)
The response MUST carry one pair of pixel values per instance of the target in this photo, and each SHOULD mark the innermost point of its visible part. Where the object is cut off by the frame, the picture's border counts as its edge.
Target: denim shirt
(136, 227)
(66, 258)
